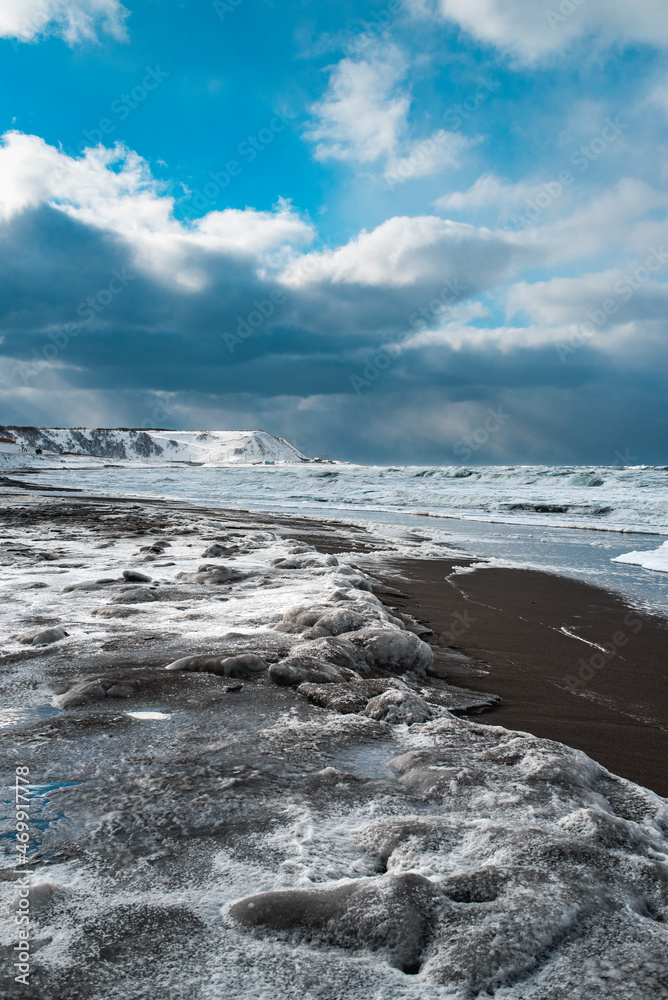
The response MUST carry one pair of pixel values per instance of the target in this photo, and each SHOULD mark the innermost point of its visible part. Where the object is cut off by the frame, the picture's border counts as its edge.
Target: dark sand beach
(614, 707)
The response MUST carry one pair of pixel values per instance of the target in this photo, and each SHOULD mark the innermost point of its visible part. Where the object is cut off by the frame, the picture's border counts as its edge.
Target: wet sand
(553, 685)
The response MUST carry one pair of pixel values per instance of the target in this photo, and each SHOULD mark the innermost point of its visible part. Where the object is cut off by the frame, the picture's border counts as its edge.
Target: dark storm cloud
(321, 341)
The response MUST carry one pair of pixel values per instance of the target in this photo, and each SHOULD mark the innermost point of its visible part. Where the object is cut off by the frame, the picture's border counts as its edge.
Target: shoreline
(550, 684)
(554, 685)
(614, 708)
(263, 731)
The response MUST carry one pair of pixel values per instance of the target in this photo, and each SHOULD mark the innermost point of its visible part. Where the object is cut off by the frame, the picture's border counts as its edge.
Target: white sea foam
(656, 560)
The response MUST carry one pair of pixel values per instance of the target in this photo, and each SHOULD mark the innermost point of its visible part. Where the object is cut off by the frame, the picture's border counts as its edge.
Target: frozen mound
(300, 668)
(91, 691)
(134, 595)
(516, 867)
(391, 649)
(212, 573)
(341, 615)
(357, 695)
(310, 559)
(236, 654)
(242, 665)
(398, 707)
(45, 637)
(331, 649)
(349, 632)
(351, 697)
(216, 551)
(389, 915)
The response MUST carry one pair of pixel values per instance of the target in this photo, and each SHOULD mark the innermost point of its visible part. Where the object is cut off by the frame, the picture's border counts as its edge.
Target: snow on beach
(291, 809)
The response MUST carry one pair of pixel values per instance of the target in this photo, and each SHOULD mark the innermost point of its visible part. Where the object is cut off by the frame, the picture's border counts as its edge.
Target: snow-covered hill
(119, 445)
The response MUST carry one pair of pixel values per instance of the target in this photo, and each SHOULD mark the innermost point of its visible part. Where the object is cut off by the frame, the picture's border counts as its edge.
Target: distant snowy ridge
(153, 446)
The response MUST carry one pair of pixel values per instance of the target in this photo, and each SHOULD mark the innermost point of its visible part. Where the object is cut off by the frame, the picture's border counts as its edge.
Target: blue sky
(362, 226)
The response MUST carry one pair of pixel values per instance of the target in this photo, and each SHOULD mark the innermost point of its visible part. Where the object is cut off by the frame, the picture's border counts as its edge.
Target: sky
(405, 232)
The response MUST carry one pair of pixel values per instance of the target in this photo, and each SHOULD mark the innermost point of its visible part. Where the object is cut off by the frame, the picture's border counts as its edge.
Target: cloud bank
(75, 21)
(382, 347)
(532, 31)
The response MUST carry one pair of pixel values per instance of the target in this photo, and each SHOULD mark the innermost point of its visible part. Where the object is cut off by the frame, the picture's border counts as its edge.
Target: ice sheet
(656, 560)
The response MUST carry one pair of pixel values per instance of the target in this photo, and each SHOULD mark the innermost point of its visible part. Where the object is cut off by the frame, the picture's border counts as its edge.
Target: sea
(568, 520)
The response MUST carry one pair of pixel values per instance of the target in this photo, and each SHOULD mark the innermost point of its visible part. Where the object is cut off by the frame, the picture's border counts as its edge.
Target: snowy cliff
(135, 445)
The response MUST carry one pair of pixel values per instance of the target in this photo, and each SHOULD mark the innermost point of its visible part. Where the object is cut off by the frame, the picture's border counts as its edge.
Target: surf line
(572, 635)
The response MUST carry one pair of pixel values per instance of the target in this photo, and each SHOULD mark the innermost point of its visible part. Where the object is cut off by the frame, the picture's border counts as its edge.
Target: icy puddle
(371, 762)
(149, 715)
(38, 807)
(15, 717)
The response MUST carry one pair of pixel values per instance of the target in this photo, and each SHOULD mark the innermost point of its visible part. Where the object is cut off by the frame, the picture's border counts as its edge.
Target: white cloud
(426, 251)
(363, 118)
(413, 250)
(531, 31)
(73, 20)
(489, 191)
(459, 336)
(113, 190)
(627, 219)
(630, 294)
(384, 279)
(658, 94)
(412, 262)
(364, 111)
(566, 221)
(426, 156)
